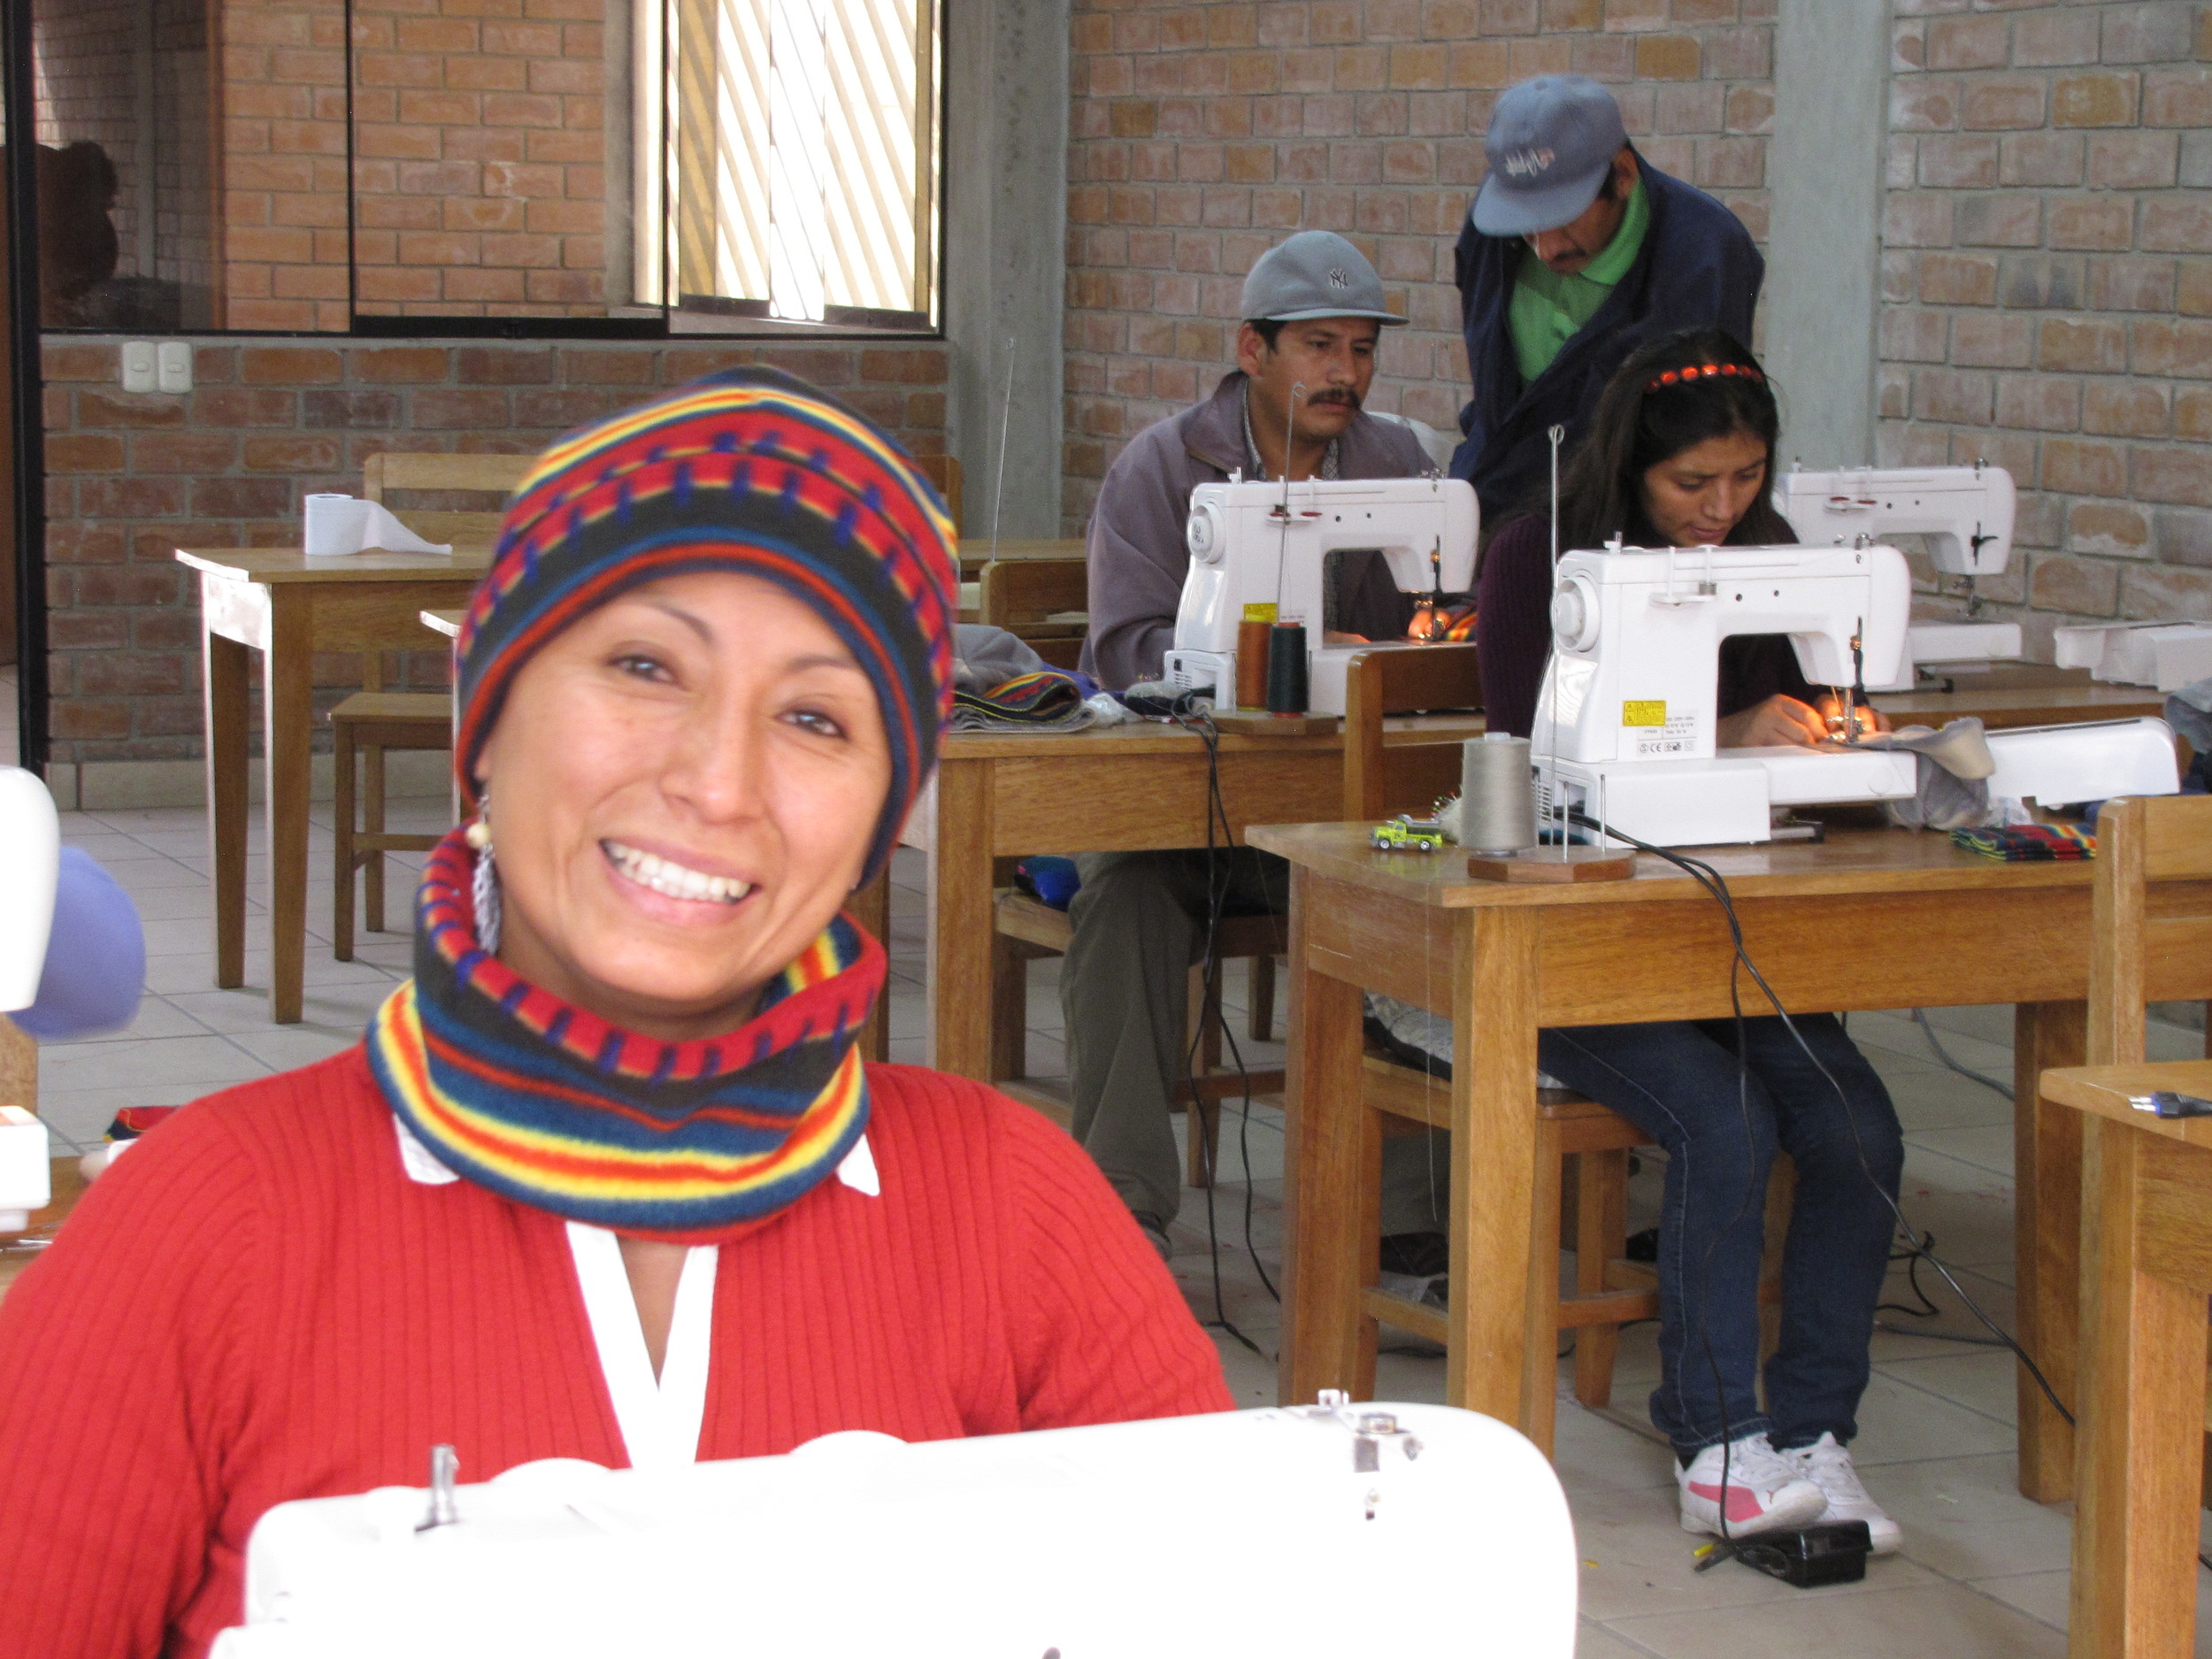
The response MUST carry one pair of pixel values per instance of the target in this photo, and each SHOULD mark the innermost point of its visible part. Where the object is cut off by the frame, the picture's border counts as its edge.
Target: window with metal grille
(786, 160)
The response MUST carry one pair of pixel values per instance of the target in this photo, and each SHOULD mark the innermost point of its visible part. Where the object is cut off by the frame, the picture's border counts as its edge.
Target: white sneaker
(1766, 1490)
(1828, 1466)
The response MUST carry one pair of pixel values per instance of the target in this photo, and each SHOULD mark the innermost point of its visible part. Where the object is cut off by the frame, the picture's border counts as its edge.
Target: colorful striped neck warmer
(688, 1142)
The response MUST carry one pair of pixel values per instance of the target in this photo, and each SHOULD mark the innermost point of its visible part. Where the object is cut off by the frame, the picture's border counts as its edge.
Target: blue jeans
(1678, 1082)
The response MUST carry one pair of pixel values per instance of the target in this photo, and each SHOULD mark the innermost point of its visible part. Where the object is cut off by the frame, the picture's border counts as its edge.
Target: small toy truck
(1408, 834)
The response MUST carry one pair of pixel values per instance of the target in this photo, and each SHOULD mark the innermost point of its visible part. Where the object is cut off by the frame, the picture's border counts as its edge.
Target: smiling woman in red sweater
(608, 1178)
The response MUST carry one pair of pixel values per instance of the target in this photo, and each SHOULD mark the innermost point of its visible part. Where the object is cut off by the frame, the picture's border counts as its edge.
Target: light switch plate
(139, 373)
(174, 372)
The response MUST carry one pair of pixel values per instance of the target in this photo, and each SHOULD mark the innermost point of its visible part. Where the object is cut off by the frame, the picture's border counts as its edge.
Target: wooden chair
(371, 722)
(1027, 929)
(1022, 595)
(443, 477)
(1610, 1291)
(1397, 680)
(440, 476)
(943, 471)
(2143, 1245)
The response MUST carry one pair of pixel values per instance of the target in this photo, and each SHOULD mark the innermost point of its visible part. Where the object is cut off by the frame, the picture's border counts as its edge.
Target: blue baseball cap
(1551, 144)
(1315, 273)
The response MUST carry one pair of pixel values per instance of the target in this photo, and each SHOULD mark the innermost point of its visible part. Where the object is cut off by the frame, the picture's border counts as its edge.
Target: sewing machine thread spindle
(1287, 668)
(1497, 807)
(445, 1465)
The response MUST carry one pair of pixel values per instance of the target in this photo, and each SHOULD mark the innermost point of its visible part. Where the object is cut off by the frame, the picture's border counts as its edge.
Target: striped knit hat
(748, 471)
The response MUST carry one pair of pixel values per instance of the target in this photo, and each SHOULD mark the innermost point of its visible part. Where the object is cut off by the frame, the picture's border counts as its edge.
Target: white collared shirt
(660, 1416)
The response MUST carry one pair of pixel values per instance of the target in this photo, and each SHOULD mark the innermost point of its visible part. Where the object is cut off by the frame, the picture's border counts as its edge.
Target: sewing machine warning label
(1657, 733)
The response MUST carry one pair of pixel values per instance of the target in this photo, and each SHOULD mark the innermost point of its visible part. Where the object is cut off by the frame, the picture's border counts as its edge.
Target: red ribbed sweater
(258, 1305)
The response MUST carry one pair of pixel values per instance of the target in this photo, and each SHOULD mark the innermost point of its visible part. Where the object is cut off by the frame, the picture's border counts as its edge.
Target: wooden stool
(1028, 928)
(368, 723)
(1610, 1291)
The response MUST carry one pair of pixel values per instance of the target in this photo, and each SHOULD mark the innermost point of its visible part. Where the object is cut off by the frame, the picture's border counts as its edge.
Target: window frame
(625, 319)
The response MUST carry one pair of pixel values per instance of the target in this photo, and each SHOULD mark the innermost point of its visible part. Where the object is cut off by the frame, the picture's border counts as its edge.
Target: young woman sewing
(1680, 453)
(608, 1179)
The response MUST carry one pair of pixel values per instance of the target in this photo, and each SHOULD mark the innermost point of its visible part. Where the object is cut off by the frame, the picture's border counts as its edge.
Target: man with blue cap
(1313, 311)
(1577, 252)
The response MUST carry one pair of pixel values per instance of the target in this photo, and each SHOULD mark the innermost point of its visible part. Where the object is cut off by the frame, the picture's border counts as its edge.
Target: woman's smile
(679, 879)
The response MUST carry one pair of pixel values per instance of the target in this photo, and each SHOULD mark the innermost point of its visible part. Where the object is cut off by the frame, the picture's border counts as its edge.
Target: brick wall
(480, 157)
(130, 478)
(1202, 134)
(283, 165)
(2047, 288)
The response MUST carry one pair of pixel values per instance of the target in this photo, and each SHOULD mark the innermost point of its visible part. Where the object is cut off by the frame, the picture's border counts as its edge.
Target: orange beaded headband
(1705, 371)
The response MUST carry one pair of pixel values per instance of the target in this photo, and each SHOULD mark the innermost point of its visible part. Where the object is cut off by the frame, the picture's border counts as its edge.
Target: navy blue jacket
(1697, 268)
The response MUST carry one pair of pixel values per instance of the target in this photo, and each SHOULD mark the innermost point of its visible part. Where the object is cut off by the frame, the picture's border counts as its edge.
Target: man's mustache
(1349, 399)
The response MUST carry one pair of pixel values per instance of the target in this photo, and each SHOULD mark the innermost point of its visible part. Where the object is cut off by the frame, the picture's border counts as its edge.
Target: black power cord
(1201, 722)
(1920, 1018)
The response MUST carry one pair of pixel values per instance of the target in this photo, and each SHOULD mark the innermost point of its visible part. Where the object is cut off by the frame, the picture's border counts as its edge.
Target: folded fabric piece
(1000, 685)
(984, 656)
(2030, 843)
(1952, 770)
(1414, 1037)
(1962, 748)
(1046, 701)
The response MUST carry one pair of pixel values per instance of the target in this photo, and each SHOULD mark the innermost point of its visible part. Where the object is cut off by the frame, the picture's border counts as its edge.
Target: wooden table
(976, 551)
(18, 1250)
(1872, 919)
(2022, 696)
(2147, 1247)
(1122, 789)
(280, 602)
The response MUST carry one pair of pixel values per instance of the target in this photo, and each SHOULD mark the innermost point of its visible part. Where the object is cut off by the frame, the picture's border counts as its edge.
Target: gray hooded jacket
(1138, 556)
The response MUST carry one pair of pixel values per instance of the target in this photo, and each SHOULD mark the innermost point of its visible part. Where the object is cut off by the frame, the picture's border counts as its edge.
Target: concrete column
(1005, 227)
(1823, 250)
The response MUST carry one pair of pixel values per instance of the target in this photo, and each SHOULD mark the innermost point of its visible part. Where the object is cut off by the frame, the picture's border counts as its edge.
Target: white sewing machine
(1011, 1547)
(1246, 546)
(1629, 703)
(30, 856)
(1965, 512)
(2167, 655)
(1629, 700)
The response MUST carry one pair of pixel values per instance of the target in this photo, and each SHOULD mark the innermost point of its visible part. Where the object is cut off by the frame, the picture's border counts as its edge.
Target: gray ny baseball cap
(1315, 273)
(1551, 142)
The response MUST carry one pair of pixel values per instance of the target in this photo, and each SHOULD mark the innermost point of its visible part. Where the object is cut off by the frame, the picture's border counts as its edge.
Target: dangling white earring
(479, 836)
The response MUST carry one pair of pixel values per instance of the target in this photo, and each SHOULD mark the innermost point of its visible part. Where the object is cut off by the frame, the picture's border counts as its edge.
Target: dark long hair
(1640, 422)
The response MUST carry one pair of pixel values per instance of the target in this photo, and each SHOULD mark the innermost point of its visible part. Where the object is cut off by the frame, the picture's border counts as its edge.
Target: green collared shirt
(1548, 310)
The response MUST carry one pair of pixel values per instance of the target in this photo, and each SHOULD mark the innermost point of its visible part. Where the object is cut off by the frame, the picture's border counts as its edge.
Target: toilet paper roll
(335, 523)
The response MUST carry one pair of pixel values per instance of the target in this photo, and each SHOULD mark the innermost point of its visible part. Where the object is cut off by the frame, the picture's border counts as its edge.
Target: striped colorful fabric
(748, 470)
(1043, 698)
(692, 1142)
(2030, 843)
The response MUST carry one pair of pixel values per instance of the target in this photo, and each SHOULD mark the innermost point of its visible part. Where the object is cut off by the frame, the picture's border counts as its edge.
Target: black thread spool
(1287, 668)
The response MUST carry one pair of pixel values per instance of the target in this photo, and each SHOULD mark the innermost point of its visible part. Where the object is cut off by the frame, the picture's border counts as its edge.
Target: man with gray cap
(1577, 252)
(1313, 311)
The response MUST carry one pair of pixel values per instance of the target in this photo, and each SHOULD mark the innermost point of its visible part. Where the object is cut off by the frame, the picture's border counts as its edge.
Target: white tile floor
(1983, 1572)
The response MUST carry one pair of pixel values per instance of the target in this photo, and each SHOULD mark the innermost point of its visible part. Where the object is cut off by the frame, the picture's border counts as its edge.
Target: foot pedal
(1809, 1557)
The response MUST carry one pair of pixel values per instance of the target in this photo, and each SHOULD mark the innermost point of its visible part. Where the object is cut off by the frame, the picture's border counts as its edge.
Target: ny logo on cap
(1339, 277)
(1522, 163)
